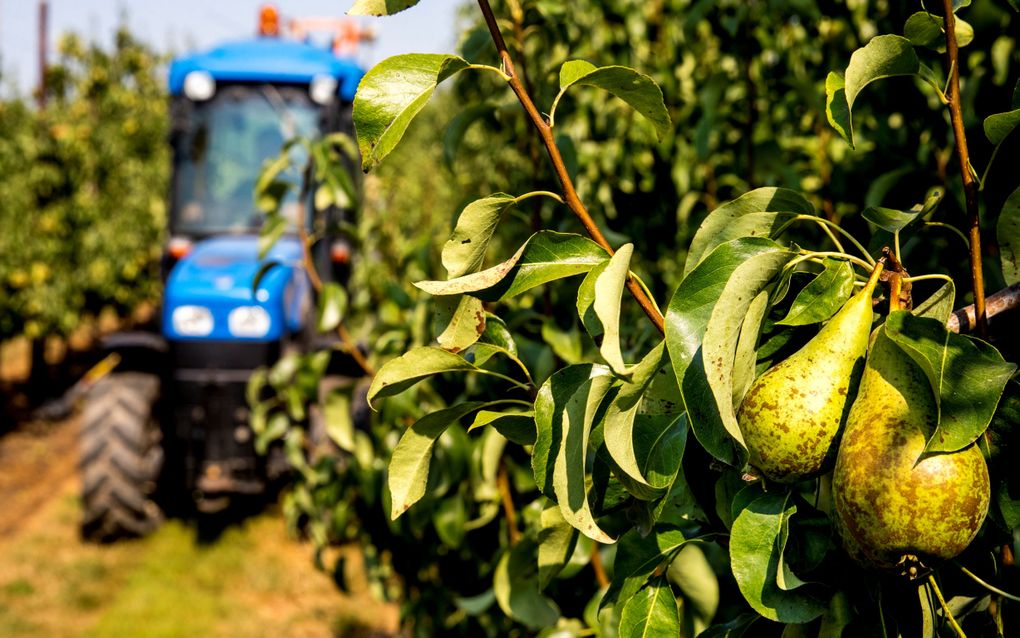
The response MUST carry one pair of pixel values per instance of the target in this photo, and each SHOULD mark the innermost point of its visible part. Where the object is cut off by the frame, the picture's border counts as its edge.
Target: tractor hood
(209, 292)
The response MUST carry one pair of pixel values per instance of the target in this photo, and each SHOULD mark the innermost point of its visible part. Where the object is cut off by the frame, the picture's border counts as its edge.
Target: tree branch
(559, 167)
(970, 184)
(965, 319)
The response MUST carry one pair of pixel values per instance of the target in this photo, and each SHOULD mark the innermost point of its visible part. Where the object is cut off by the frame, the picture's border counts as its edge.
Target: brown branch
(598, 567)
(965, 319)
(970, 185)
(559, 167)
(503, 485)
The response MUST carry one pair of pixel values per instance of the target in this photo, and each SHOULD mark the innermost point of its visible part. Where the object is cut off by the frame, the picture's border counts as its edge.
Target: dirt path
(253, 581)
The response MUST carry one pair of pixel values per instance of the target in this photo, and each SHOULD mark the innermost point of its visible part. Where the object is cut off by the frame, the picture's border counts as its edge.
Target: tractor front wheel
(121, 457)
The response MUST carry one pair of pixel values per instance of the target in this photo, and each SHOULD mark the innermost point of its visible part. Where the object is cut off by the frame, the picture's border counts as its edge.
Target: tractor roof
(270, 60)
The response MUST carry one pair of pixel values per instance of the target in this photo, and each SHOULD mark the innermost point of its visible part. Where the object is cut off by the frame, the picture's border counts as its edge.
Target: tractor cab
(177, 400)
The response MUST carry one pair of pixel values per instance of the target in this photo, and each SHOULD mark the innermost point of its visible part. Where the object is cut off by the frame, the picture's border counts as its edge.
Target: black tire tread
(120, 457)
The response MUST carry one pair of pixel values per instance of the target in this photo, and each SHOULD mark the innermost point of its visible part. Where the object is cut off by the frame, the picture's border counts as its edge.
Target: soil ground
(253, 580)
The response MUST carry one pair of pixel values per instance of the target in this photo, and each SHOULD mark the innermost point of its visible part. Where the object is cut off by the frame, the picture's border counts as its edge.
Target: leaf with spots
(464, 317)
(464, 251)
(967, 377)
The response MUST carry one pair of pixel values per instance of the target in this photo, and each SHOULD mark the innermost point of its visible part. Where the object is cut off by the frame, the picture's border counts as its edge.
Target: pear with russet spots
(792, 415)
(888, 505)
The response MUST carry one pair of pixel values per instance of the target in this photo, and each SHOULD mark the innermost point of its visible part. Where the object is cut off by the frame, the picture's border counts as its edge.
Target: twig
(970, 185)
(503, 485)
(559, 167)
(598, 567)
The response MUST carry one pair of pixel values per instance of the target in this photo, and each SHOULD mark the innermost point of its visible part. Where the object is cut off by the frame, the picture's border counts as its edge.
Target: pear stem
(875, 274)
(945, 608)
(895, 286)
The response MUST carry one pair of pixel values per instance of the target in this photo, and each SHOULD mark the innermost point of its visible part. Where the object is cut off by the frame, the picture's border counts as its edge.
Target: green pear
(888, 506)
(791, 416)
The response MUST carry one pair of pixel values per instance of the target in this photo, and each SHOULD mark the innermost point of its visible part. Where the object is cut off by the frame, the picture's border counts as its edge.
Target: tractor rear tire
(121, 458)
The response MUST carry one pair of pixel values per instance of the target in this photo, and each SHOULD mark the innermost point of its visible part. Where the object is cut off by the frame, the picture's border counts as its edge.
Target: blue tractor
(172, 419)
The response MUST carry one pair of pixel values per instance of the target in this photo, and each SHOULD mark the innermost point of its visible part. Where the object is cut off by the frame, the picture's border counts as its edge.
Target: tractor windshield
(221, 151)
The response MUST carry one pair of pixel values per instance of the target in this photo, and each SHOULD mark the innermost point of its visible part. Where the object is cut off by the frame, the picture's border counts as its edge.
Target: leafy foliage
(575, 493)
(83, 182)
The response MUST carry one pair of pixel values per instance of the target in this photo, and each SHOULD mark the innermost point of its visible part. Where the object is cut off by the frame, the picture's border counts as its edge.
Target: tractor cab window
(222, 147)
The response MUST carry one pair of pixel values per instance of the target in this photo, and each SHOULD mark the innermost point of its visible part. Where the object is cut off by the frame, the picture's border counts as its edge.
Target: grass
(252, 581)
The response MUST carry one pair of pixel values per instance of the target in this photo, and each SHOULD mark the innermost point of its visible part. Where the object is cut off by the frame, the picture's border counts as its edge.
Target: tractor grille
(222, 355)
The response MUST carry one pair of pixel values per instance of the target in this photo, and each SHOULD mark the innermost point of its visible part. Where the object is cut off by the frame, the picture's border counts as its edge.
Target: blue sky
(185, 25)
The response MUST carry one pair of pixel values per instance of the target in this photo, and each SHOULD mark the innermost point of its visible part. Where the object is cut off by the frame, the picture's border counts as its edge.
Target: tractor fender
(138, 351)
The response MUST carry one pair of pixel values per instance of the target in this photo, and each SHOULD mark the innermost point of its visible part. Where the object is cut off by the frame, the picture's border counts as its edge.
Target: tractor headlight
(322, 89)
(248, 321)
(192, 321)
(199, 86)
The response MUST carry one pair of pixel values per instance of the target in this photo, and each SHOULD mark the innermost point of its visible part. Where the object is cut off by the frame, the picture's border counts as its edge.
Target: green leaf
(276, 428)
(464, 252)
(272, 230)
(408, 369)
(821, 298)
(884, 57)
(409, 466)
(379, 7)
(739, 627)
(586, 302)
(940, 305)
(890, 219)
(651, 613)
(756, 557)
(1007, 232)
(518, 427)
(517, 588)
(756, 213)
(966, 375)
(336, 411)
(391, 94)
(556, 542)
(924, 29)
(566, 344)
(637, 557)
(565, 411)
(636, 89)
(545, 257)
(574, 70)
(608, 296)
(709, 306)
(465, 322)
(837, 111)
(332, 306)
(634, 456)
(693, 574)
(745, 357)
